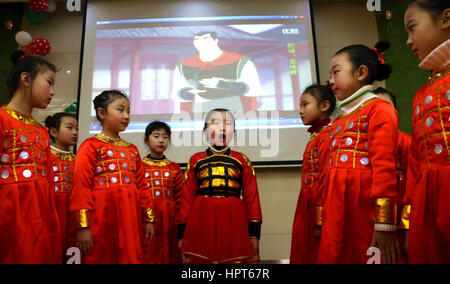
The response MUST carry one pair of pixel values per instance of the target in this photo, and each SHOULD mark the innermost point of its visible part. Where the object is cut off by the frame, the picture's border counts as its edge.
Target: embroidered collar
(113, 141)
(211, 151)
(357, 99)
(62, 155)
(149, 160)
(25, 119)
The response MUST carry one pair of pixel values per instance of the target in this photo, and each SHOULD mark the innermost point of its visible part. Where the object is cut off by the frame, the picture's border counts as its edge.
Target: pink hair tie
(380, 55)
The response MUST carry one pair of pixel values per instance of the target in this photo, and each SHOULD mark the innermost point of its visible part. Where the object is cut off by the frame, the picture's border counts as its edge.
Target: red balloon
(39, 6)
(28, 49)
(41, 46)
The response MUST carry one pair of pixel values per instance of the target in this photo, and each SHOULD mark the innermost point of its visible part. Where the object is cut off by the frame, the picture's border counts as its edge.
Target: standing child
(360, 206)
(109, 193)
(428, 26)
(404, 142)
(317, 103)
(29, 226)
(165, 181)
(215, 224)
(63, 130)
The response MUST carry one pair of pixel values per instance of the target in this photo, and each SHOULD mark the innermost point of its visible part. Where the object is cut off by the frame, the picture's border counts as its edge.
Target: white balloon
(23, 38)
(51, 7)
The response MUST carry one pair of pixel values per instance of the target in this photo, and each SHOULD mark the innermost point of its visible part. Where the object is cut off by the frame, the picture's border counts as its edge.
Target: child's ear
(446, 19)
(324, 106)
(362, 73)
(53, 132)
(25, 79)
(101, 113)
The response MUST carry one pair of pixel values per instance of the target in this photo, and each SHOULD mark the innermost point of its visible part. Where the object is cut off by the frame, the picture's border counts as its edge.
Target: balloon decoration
(41, 46)
(39, 6)
(51, 7)
(34, 17)
(28, 49)
(23, 38)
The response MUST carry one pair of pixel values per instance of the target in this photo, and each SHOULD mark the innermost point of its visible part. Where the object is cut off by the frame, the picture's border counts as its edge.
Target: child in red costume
(428, 27)
(215, 224)
(109, 193)
(317, 103)
(165, 181)
(360, 206)
(29, 226)
(63, 130)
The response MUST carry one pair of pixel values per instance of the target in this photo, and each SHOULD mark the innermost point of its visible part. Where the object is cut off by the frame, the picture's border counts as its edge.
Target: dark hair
(25, 63)
(157, 125)
(385, 91)
(55, 122)
(362, 55)
(210, 113)
(213, 34)
(322, 93)
(433, 7)
(105, 98)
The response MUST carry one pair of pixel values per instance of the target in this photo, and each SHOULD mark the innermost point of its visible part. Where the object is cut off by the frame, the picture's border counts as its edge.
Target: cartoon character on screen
(361, 191)
(63, 131)
(317, 103)
(29, 226)
(215, 224)
(215, 77)
(110, 197)
(404, 143)
(165, 181)
(428, 26)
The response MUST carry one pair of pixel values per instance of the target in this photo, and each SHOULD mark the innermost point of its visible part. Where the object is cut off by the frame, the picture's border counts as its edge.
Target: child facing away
(317, 103)
(29, 226)
(110, 198)
(216, 225)
(360, 205)
(428, 26)
(63, 131)
(403, 145)
(165, 182)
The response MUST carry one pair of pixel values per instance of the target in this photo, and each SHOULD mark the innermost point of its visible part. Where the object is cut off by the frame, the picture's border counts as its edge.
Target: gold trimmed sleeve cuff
(319, 212)
(404, 222)
(82, 218)
(385, 211)
(254, 229)
(149, 215)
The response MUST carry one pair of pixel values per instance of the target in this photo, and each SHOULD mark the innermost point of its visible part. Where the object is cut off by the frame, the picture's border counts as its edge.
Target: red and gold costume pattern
(29, 225)
(361, 178)
(62, 166)
(109, 184)
(429, 164)
(218, 223)
(304, 245)
(165, 181)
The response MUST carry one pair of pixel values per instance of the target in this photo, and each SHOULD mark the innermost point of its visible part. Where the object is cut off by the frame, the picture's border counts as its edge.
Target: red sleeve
(178, 184)
(383, 139)
(83, 176)
(323, 147)
(49, 166)
(250, 191)
(412, 170)
(188, 192)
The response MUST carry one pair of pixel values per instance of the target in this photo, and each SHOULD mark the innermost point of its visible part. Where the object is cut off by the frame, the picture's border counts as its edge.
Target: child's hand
(255, 247)
(388, 244)
(149, 233)
(318, 232)
(85, 241)
(184, 257)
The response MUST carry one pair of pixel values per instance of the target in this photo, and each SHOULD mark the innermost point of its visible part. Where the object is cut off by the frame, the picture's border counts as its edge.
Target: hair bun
(49, 122)
(16, 56)
(382, 45)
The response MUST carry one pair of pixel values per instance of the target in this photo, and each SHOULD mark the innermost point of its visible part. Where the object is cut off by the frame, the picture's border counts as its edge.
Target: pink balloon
(41, 46)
